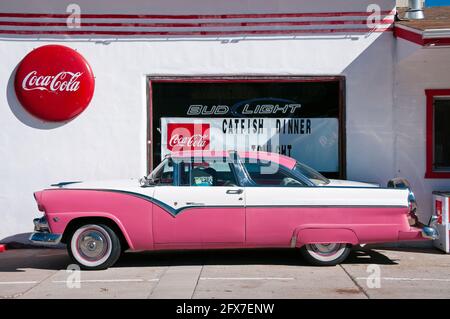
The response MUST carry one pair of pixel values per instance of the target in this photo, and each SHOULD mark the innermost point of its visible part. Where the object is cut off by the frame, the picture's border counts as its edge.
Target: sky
(432, 3)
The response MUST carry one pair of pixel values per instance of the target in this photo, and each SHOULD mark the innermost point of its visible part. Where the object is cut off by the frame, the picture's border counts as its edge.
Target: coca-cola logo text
(54, 83)
(195, 141)
(187, 136)
(63, 81)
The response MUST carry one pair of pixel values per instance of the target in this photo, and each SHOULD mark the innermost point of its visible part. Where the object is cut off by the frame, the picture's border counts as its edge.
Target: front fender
(132, 214)
(65, 219)
(320, 234)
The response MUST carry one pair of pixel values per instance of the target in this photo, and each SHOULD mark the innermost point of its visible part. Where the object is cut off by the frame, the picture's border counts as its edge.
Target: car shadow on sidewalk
(413, 250)
(368, 256)
(57, 259)
(285, 257)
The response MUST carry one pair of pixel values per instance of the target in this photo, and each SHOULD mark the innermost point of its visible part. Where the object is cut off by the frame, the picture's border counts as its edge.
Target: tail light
(403, 183)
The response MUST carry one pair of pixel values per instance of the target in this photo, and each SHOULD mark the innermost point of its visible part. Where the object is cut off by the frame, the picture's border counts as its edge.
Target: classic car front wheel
(94, 246)
(325, 254)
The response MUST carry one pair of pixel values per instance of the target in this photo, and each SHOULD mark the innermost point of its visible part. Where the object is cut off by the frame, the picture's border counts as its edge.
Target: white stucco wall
(417, 69)
(108, 140)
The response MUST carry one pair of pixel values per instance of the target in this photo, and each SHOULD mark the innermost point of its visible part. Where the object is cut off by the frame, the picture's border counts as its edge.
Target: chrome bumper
(429, 231)
(42, 233)
(45, 238)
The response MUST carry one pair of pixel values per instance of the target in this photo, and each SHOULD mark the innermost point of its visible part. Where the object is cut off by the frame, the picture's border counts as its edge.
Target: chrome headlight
(41, 224)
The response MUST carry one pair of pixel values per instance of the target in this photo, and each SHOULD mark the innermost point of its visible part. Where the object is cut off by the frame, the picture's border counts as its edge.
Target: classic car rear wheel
(94, 246)
(325, 254)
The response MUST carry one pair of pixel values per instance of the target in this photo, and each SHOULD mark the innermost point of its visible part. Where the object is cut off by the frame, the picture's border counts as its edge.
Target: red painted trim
(437, 92)
(429, 135)
(2, 248)
(192, 16)
(150, 128)
(408, 35)
(193, 33)
(417, 37)
(194, 25)
(436, 41)
(430, 94)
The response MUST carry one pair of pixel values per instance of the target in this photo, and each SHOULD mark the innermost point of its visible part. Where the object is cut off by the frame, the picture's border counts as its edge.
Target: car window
(163, 174)
(207, 173)
(311, 174)
(268, 174)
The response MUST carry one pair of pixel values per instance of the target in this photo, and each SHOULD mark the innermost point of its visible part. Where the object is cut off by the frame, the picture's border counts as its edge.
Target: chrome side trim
(294, 240)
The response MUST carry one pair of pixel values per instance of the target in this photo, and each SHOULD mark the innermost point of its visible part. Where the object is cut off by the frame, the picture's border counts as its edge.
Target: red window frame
(431, 94)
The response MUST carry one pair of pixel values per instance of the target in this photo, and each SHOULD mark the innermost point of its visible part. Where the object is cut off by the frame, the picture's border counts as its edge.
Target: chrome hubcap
(92, 244)
(325, 249)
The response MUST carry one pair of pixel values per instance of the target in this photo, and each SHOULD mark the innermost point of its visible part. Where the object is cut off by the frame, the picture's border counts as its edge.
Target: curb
(2, 248)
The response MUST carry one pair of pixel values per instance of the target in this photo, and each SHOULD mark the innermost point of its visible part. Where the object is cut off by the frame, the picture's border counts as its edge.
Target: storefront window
(301, 117)
(438, 132)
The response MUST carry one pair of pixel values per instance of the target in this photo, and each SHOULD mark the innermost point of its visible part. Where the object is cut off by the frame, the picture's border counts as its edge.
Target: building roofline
(433, 30)
(428, 37)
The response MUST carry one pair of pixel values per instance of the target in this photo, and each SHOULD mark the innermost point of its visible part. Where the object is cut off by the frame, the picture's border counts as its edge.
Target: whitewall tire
(327, 254)
(94, 246)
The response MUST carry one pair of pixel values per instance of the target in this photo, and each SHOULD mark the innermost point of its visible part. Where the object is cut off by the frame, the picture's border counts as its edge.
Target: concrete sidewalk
(368, 273)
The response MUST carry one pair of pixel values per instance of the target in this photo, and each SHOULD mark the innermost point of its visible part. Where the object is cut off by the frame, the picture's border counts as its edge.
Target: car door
(206, 207)
(272, 212)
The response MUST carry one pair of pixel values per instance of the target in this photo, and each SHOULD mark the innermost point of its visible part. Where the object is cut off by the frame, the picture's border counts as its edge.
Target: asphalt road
(368, 273)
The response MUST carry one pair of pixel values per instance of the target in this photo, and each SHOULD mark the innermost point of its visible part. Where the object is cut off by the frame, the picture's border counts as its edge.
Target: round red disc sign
(54, 83)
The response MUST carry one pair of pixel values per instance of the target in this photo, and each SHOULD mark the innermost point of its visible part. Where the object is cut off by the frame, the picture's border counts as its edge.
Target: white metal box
(441, 209)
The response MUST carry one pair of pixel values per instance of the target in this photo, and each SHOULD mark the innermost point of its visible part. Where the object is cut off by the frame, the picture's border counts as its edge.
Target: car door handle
(235, 191)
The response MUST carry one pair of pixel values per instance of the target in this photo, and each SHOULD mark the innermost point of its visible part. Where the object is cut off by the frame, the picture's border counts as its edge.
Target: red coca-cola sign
(54, 83)
(187, 136)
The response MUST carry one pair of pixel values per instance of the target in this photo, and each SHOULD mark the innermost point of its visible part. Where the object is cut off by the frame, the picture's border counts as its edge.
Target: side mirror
(146, 182)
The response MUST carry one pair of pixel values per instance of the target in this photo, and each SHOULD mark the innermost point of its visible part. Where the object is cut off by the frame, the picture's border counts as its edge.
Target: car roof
(280, 159)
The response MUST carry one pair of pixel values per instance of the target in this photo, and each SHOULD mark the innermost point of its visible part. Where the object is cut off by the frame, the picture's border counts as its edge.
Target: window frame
(174, 178)
(431, 95)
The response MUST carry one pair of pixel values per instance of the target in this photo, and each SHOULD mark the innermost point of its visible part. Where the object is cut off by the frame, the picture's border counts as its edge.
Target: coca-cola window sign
(190, 136)
(54, 83)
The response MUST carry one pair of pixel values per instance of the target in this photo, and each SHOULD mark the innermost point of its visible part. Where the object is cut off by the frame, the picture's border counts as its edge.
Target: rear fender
(320, 234)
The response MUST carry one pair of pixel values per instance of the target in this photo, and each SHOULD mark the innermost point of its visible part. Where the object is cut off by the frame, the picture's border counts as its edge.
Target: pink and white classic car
(225, 200)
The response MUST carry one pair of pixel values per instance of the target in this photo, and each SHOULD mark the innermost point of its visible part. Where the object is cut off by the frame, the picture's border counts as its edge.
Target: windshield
(157, 171)
(314, 176)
